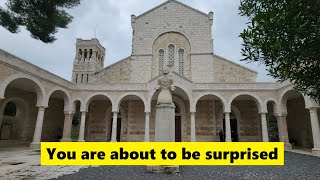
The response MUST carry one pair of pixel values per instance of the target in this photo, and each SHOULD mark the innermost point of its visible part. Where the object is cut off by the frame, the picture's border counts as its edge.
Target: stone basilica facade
(213, 95)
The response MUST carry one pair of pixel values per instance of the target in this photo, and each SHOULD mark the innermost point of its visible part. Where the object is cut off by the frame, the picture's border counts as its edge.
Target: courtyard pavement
(21, 163)
(297, 166)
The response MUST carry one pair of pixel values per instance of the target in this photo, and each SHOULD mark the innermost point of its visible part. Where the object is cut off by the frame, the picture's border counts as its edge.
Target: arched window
(161, 61)
(10, 109)
(181, 62)
(171, 50)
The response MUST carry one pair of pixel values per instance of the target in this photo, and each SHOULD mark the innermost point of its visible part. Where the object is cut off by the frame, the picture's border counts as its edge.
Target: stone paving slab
(297, 166)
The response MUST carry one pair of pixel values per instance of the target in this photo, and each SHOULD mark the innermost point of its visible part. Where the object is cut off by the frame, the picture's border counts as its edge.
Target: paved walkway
(20, 163)
(297, 166)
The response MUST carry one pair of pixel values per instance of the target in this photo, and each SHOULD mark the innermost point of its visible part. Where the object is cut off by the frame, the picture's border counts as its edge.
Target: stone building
(117, 103)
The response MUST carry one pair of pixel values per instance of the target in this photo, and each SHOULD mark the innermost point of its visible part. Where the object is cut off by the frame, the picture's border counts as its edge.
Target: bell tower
(89, 58)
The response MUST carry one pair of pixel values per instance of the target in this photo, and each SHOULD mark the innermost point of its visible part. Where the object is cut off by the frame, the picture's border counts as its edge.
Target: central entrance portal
(177, 124)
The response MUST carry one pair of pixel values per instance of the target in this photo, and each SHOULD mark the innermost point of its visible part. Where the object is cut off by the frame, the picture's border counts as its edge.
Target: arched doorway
(177, 124)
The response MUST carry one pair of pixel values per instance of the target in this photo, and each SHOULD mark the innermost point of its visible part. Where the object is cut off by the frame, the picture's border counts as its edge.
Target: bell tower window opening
(171, 51)
(161, 61)
(181, 62)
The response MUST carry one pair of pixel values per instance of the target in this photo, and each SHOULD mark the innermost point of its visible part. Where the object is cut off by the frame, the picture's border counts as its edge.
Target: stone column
(264, 126)
(38, 129)
(283, 131)
(228, 127)
(1, 113)
(68, 116)
(147, 128)
(114, 127)
(1, 117)
(82, 126)
(315, 130)
(193, 127)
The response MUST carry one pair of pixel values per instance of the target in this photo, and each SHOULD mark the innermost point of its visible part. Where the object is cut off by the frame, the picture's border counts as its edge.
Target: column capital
(226, 112)
(115, 112)
(148, 113)
(280, 115)
(192, 112)
(263, 113)
(42, 107)
(1, 98)
(313, 108)
(68, 112)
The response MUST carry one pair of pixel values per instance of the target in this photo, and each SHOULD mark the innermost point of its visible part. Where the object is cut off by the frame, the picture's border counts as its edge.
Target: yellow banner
(161, 153)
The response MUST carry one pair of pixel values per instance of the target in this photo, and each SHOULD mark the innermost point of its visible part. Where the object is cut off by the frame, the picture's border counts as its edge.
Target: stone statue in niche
(165, 86)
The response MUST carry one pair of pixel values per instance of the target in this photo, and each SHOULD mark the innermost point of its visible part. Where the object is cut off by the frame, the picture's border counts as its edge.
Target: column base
(113, 141)
(35, 146)
(287, 146)
(81, 140)
(66, 140)
(316, 151)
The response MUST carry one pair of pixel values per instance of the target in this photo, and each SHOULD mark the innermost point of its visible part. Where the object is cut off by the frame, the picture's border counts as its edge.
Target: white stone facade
(117, 103)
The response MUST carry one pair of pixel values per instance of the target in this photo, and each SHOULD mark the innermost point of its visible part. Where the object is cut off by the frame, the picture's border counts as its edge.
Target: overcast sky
(109, 21)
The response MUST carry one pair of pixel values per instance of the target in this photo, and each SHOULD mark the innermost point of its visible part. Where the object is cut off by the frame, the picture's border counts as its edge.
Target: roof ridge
(175, 1)
(239, 65)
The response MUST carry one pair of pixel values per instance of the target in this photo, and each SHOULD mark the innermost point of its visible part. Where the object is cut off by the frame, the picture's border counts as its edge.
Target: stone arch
(274, 102)
(73, 101)
(40, 90)
(162, 33)
(162, 41)
(121, 97)
(220, 97)
(66, 98)
(298, 123)
(85, 105)
(153, 92)
(256, 98)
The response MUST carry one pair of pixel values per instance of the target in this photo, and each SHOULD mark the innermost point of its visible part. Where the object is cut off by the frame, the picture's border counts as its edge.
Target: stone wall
(116, 73)
(206, 121)
(226, 71)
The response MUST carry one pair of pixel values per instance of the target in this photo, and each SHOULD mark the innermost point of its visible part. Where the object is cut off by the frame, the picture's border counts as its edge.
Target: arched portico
(135, 103)
(92, 126)
(254, 125)
(32, 83)
(206, 108)
(298, 121)
(57, 116)
(181, 98)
